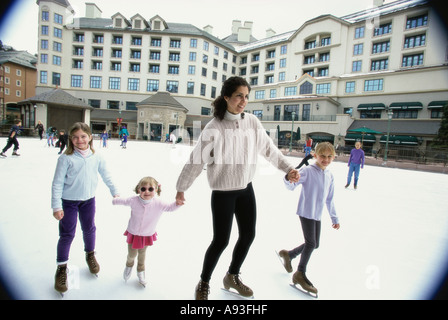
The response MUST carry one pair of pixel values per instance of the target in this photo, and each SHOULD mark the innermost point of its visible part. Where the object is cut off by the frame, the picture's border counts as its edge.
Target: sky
(18, 27)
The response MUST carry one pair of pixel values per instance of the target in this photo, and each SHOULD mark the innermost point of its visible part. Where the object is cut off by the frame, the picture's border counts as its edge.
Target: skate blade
(236, 294)
(281, 261)
(312, 295)
(143, 284)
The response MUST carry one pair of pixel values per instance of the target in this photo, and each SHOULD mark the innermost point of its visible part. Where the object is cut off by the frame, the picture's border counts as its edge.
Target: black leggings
(226, 204)
(311, 233)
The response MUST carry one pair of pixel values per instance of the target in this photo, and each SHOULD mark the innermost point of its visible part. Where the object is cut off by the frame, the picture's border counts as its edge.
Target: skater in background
(355, 164)
(103, 139)
(73, 194)
(124, 136)
(231, 180)
(40, 129)
(308, 146)
(317, 192)
(51, 131)
(146, 210)
(62, 141)
(12, 139)
(172, 137)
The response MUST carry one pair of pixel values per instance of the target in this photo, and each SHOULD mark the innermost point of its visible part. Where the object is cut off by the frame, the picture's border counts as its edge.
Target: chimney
(235, 25)
(244, 34)
(92, 10)
(270, 33)
(209, 29)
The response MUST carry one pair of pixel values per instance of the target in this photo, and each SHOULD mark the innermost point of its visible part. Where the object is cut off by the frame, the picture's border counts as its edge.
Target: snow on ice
(392, 243)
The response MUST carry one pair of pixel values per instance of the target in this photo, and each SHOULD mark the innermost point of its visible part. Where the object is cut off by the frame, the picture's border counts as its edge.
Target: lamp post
(389, 118)
(293, 114)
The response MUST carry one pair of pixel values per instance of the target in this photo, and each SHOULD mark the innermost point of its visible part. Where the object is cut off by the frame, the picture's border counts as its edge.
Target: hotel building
(383, 67)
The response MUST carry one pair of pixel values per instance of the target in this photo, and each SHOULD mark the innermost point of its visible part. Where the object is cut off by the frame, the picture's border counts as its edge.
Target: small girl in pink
(146, 210)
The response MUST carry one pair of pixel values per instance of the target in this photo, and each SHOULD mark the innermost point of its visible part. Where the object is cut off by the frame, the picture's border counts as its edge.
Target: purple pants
(67, 226)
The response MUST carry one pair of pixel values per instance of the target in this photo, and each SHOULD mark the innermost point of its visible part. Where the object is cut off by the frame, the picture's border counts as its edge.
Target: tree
(441, 139)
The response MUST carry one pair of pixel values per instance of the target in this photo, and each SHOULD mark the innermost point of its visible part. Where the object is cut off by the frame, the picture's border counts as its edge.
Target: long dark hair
(228, 88)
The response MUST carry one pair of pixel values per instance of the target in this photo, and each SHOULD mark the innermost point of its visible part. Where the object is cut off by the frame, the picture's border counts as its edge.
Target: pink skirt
(139, 242)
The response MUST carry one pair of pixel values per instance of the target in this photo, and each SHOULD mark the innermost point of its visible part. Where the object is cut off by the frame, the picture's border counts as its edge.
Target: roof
(404, 127)
(172, 28)
(162, 99)
(64, 3)
(22, 58)
(57, 97)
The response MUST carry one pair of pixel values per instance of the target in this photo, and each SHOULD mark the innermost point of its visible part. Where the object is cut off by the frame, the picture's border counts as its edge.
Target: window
(383, 29)
(175, 44)
(416, 22)
(136, 41)
(97, 65)
(382, 64)
(191, 69)
(44, 44)
(283, 49)
(57, 32)
(56, 79)
(358, 49)
(97, 52)
(323, 88)
(290, 91)
(78, 64)
(415, 41)
(154, 55)
(156, 42)
(205, 45)
(350, 87)
(173, 69)
(192, 56)
(381, 47)
(273, 93)
(310, 44)
(259, 94)
(115, 105)
(172, 86)
(115, 66)
(306, 88)
(309, 59)
(190, 88)
(44, 58)
(98, 38)
(306, 112)
(56, 60)
(359, 32)
(174, 56)
(324, 57)
(412, 60)
(114, 83)
(44, 31)
(76, 81)
(282, 76)
(270, 54)
(133, 84)
(356, 66)
(258, 114)
(282, 63)
(43, 77)
(116, 53)
(152, 85)
(269, 79)
(289, 109)
(325, 41)
(136, 54)
(95, 82)
(57, 18)
(78, 37)
(57, 46)
(373, 85)
(134, 67)
(154, 68)
(203, 89)
(117, 40)
(322, 72)
(193, 43)
(45, 16)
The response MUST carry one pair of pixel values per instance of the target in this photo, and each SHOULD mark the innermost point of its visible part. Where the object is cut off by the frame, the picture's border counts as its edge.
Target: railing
(298, 118)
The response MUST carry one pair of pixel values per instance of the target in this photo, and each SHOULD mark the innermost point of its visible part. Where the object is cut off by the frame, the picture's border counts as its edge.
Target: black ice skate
(202, 290)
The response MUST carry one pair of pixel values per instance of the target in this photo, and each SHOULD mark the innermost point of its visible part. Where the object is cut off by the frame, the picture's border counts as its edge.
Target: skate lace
(204, 290)
(239, 283)
(307, 281)
(62, 276)
(91, 260)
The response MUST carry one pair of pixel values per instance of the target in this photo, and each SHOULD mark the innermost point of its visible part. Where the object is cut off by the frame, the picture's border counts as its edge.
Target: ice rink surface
(392, 244)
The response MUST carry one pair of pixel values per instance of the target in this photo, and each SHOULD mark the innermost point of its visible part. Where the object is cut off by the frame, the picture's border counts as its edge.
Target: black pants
(311, 233)
(11, 141)
(225, 205)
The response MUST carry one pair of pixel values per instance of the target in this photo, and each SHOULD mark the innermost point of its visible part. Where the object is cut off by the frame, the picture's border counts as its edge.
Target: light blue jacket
(317, 192)
(76, 178)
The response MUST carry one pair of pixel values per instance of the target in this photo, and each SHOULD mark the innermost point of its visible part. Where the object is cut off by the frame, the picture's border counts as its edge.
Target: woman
(229, 145)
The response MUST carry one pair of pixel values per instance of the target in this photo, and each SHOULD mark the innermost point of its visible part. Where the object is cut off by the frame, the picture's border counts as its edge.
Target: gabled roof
(57, 97)
(126, 21)
(22, 58)
(162, 99)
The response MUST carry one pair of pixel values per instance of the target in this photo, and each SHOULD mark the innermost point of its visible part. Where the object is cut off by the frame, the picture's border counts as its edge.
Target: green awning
(406, 105)
(400, 140)
(371, 106)
(437, 104)
(360, 137)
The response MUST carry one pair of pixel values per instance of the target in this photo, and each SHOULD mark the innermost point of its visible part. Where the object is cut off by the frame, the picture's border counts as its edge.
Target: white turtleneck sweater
(230, 149)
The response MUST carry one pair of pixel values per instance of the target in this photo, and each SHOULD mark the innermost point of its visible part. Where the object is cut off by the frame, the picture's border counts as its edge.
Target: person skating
(317, 192)
(146, 211)
(73, 195)
(355, 164)
(12, 139)
(231, 165)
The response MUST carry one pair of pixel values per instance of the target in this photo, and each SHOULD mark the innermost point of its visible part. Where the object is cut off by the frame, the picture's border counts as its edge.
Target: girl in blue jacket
(73, 194)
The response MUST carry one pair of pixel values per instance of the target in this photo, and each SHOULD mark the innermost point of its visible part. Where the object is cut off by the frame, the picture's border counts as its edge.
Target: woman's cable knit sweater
(230, 148)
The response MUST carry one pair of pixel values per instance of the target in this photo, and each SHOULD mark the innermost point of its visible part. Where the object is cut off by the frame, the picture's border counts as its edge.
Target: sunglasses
(143, 189)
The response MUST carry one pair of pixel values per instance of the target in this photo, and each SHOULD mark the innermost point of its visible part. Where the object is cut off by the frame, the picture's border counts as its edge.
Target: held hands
(180, 199)
(293, 176)
(336, 226)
